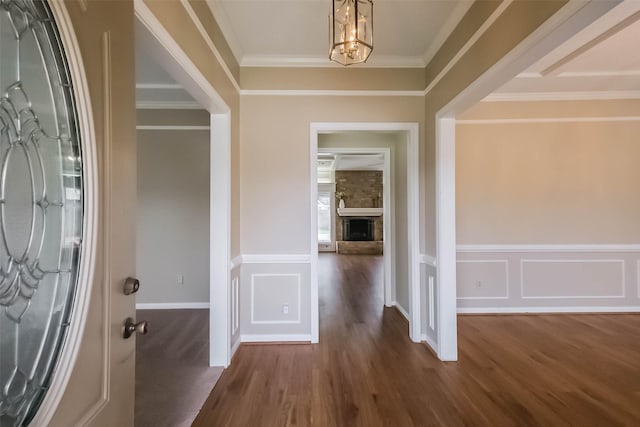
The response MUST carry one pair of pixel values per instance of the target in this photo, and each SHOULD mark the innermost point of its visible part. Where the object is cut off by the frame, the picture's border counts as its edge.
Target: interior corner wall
(173, 216)
(275, 187)
(573, 184)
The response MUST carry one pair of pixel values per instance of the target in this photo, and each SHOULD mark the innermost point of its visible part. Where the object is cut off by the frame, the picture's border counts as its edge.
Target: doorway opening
(184, 190)
(391, 148)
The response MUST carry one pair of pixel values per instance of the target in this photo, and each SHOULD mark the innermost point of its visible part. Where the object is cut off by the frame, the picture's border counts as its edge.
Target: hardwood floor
(539, 370)
(173, 377)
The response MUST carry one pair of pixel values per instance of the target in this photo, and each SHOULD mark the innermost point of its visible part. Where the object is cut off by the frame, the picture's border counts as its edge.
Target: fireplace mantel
(360, 211)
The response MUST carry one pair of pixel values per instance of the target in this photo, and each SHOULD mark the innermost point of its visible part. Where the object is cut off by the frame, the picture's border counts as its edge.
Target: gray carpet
(173, 378)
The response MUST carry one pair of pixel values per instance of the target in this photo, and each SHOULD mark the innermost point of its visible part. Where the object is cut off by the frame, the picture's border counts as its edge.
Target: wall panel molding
(487, 261)
(298, 310)
(638, 277)
(568, 262)
(554, 278)
(235, 305)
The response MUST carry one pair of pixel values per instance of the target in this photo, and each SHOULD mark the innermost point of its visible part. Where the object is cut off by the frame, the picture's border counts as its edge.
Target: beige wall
(516, 23)
(570, 186)
(548, 183)
(173, 216)
(177, 22)
(275, 168)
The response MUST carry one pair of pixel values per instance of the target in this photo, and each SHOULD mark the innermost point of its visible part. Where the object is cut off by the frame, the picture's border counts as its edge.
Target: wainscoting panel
(549, 278)
(235, 307)
(570, 278)
(428, 299)
(274, 297)
(482, 279)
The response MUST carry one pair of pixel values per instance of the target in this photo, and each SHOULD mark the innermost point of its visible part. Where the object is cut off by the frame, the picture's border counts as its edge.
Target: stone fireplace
(359, 225)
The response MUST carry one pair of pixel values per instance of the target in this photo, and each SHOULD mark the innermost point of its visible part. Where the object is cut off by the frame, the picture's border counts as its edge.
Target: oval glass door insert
(41, 205)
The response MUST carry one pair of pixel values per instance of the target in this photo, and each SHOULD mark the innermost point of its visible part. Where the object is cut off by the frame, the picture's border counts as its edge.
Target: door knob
(131, 286)
(130, 326)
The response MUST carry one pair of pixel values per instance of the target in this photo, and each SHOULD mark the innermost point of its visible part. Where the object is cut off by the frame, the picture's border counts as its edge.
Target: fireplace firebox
(357, 229)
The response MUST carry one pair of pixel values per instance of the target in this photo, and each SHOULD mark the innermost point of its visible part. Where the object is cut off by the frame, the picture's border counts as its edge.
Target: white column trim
(446, 238)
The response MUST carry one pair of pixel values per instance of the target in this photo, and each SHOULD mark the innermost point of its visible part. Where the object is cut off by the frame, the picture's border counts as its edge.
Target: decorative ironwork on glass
(351, 31)
(41, 205)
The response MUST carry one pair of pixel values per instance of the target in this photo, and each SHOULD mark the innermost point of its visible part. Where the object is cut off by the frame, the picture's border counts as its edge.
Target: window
(325, 228)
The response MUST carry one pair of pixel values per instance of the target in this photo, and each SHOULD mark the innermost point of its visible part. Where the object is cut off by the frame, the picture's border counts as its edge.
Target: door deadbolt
(131, 286)
(130, 326)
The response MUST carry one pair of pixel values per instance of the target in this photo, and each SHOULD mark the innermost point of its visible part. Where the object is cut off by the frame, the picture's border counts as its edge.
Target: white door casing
(411, 131)
(168, 53)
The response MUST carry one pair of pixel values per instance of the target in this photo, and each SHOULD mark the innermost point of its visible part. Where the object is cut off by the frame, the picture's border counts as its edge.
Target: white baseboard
(276, 338)
(171, 305)
(430, 343)
(524, 310)
(401, 310)
(275, 259)
(235, 346)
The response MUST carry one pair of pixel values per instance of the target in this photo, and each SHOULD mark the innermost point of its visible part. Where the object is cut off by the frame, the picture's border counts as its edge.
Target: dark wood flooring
(173, 377)
(542, 370)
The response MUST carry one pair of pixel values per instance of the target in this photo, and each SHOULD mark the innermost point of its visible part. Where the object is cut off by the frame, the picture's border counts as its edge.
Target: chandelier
(351, 31)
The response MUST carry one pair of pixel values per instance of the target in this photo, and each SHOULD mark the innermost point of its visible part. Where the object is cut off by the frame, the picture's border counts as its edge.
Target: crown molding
(172, 127)
(168, 105)
(470, 42)
(562, 96)
(322, 61)
(163, 86)
(399, 93)
(548, 120)
(203, 32)
(607, 73)
(228, 32)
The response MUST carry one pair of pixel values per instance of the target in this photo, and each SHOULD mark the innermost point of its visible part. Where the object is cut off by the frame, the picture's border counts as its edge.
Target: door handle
(131, 285)
(130, 327)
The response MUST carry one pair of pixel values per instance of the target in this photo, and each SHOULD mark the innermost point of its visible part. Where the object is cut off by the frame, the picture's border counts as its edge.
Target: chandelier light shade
(351, 31)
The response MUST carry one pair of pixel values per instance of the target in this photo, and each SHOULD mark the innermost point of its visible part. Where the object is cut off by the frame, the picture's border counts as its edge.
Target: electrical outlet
(181, 280)
(285, 309)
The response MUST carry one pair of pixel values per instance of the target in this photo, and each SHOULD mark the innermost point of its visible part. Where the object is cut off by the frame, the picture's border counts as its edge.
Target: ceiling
(600, 62)
(154, 86)
(407, 33)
